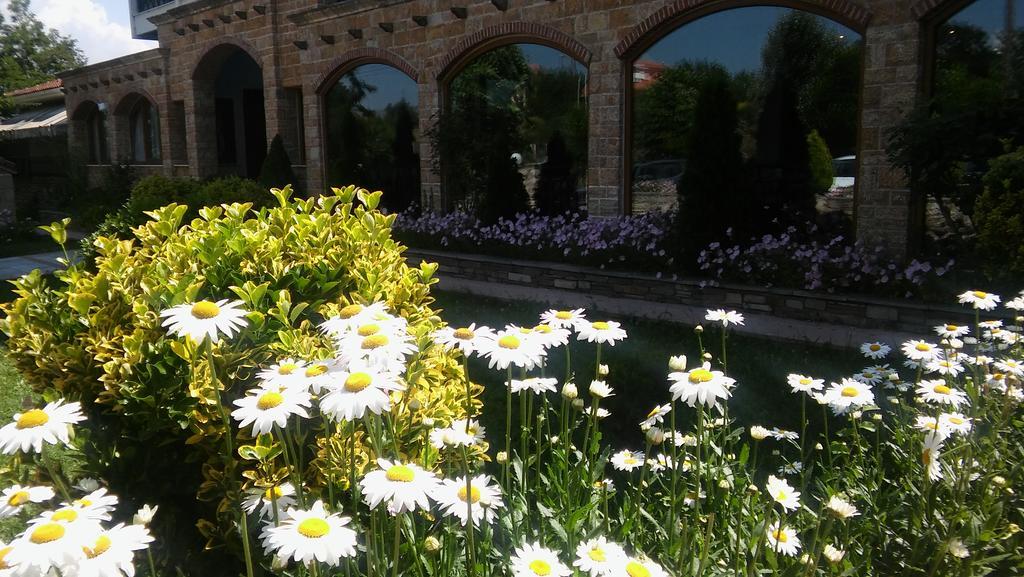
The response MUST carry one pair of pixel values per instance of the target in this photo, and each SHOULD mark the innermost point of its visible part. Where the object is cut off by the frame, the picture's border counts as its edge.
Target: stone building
(230, 74)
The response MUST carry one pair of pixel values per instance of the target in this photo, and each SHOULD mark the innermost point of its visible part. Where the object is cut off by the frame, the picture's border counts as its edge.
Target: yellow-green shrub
(95, 335)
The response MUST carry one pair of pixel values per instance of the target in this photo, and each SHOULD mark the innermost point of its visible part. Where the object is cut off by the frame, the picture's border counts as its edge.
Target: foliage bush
(999, 217)
(95, 336)
(277, 170)
(822, 172)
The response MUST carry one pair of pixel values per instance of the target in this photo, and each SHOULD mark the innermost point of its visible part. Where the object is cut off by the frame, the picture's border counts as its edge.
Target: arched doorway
(138, 120)
(231, 133)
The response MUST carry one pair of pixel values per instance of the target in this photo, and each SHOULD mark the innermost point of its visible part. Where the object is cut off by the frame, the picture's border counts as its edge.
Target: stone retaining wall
(909, 316)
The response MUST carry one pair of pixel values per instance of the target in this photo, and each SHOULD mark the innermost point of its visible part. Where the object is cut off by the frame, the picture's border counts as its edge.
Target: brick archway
(357, 57)
(509, 33)
(937, 9)
(670, 17)
(83, 108)
(127, 101)
(225, 45)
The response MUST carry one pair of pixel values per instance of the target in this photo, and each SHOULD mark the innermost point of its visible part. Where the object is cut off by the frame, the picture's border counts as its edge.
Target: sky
(101, 27)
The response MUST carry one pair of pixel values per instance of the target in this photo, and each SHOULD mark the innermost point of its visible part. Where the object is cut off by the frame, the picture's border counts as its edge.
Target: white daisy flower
(316, 375)
(957, 549)
(467, 339)
(378, 343)
(598, 557)
(725, 317)
(979, 299)
(568, 319)
(700, 385)
(922, 351)
(677, 363)
(931, 452)
(311, 535)
(457, 435)
(944, 367)
(783, 540)
(31, 429)
(937, 391)
(804, 384)
(601, 389)
(96, 505)
(454, 500)
(15, 497)
(510, 348)
(1016, 304)
(954, 423)
(283, 374)
(759, 433)
(841, 508)
(783, 493)
(656, 416)
(608, 332)
(782, 434)
(832, 554)
(1012, 366)
(205, 319)
(49, 545)
(849, 395)
(875, 350)
(926, 423)
(145, 514)
(638, 567)
(405, 486)
(532, 560)
(536, 385)
(266, 408)
(869, 376)
(660, 463)
(991, 324)
(87, 485)
(261, 501)
(626, 460)
(362, 388)
(951, 331)
(353, 315)
(551, 337)
(110, 552)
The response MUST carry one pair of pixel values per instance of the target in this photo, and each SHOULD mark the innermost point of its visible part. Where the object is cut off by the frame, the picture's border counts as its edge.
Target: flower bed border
(851, 310)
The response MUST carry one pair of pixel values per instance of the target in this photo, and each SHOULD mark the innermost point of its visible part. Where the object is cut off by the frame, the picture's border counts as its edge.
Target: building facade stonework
(303, 46)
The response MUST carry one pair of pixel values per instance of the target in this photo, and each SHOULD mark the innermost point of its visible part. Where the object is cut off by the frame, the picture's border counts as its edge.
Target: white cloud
(99, 37)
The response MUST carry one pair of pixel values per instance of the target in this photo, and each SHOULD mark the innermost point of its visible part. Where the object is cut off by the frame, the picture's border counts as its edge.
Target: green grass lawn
(639, 366)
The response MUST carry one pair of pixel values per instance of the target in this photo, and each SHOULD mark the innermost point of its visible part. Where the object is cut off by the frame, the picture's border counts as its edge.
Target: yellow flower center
(357, 382)
(780, 535)
(700, 376)
(980, 294)
(83, 503)
(525, 330)
(464, 334)
(597, 554)
(630, 461)
(3, 556)
(544, 329)
(400, 474)
(805, 381)
(316, 370)
(374, 341)
(32, 419)
(782, 496)
(926, 456)
(653, 412)
(923, 347)
(849, 392)
(66, 514)
(314, 528)
(951, 328)
(269, 400)
(474, 494)
(367, 330)
(100, 547)
(563, 315)
(540, 567)
(956, 420)
(205, 310)
(508, 342)
(942, 389)
(273, 493)
(868, 375)
(18, 499)
(875, 347)
(932, 425)
(46, 533)
(634, 569)
(287, 368)
(600, 325)
(350, 311)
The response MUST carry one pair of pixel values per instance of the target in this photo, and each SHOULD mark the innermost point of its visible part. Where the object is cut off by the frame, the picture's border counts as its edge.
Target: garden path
(16, 266)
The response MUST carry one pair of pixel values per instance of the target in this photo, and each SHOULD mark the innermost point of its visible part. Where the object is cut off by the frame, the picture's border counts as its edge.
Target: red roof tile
(48, 85)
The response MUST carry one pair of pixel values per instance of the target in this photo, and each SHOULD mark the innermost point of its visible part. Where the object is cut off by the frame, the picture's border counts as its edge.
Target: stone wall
(304, 46)
(907, 316)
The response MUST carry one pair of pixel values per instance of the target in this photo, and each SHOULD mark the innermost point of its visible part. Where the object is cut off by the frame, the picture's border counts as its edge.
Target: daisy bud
(832, 554)
(805, 559)
(858, 414)
(818, 447)
(698, 329)
(958, 549)
(428, 422)
(600, 389)
(577, 404)
(724, 484)
(1019, 320)
(602, 370)
(707, 356)
(554, 440)
(876, 417)
(999, 480)
(87, 485)
(759, 433)
(1013, 528)
(145, 515)
(278, 564)
(894, 401)
(501, 457)
(431, 544)
(655, 436)
(414, 405)
(677, 363)
(570, 391)
(752, 488)
(894, 377)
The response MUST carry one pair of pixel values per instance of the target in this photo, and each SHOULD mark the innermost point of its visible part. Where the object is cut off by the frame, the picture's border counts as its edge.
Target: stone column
(429, 107)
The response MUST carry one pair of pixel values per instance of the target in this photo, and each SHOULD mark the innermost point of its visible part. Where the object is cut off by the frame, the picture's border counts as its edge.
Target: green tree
(29, 52)
(821, 162)
(276, 171)
(556, 185)
(999, 217)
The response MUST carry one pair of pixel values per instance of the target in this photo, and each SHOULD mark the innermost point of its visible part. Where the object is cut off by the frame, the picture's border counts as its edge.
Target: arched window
(95, 119)
(144, 132)
(750, 117)
(513, 134)
(371, 119)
